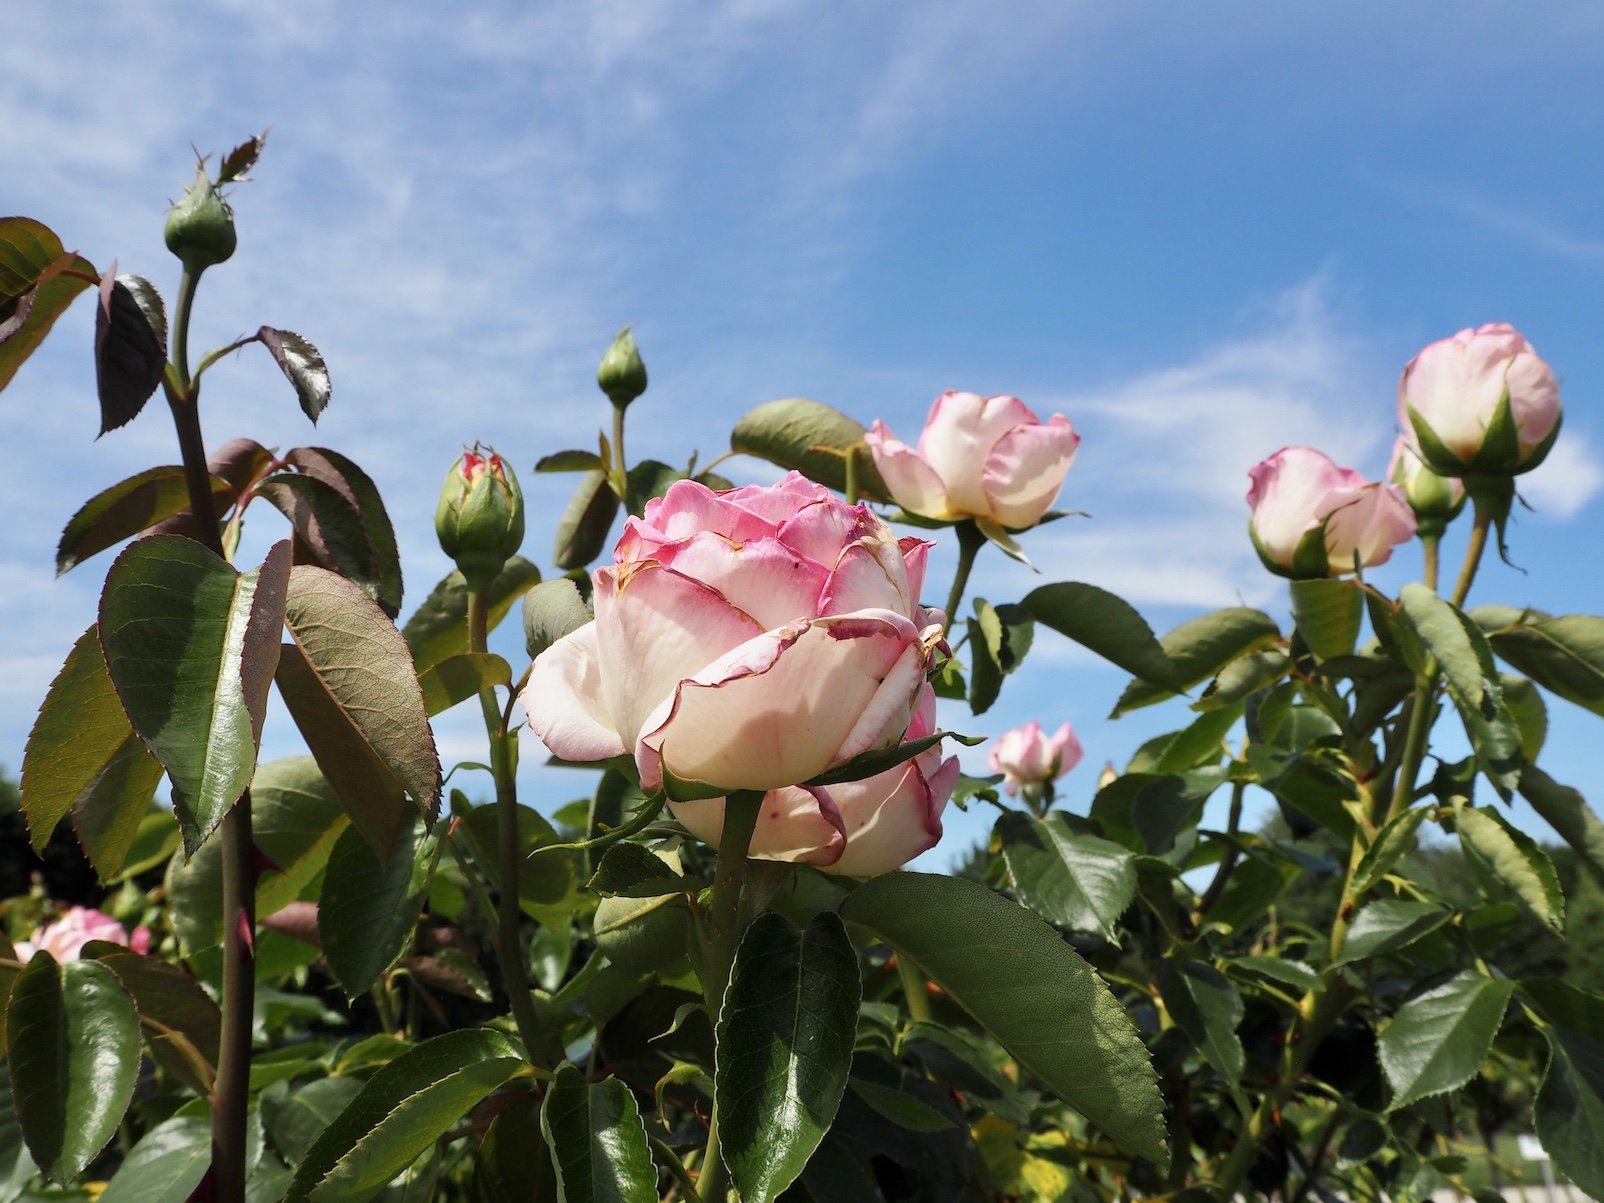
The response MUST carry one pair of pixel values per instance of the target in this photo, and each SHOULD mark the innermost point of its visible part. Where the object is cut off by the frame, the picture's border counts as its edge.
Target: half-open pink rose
(989, 458)
(1028, 756)
(65, 938)
(1312, 519)
(752, 640)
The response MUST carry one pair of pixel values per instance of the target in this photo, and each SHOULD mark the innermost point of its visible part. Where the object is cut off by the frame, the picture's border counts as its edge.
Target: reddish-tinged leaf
(38, 281)
(131, 507)
(302, 366)
(130, 346)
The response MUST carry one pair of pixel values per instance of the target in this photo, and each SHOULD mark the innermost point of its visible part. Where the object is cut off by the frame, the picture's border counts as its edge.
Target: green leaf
(82, 756)
(180, 1022)
(812, 438)
(585, 523)
(1530, 712)
(458, 678)
(1570, 1104)
(785, 1037)
(1392, 843)
(1201, 648)
(130, 346)
(904, 1110)
(72, 1043)
(1387, 925)
(439, 628)
(402, 1110)
(125, 510)
(1079, 882)
(630, 871)
(1564, 655)
(1019, 980)
(868, 764)
(1329, 613)
(357, 487)
(1106, 624)
(353, 693)
(302, 365)
(552, 610)
(1460, 648)
(513, 1164)
(1200, 743)
(569, 461)
(295, 1121)
(368, 908)
(1439, 1039)
(166, 1165)
(1516, 860)
(1206, 1006)
(597, 1141)
(544, 881)
(1566, 811)
(1278, 969)
(38, 280)
(329, 529)
(191, 647)
(999, 637)
(648, 479)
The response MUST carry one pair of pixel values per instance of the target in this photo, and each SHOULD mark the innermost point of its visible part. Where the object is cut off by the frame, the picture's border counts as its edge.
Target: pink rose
(65, 938)
(1311, 518)
(1480, 402)
(1027, 756)
(988, 458)
(1436, 500)
(753, 639)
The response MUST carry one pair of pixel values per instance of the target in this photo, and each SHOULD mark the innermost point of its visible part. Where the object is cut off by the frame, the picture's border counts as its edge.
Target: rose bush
(1028, 756)
(989, 458)
(1311, 518)
(751, 640)
(1480, 402)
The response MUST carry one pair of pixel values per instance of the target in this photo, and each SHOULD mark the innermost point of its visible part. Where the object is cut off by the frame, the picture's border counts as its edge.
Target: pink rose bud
(753, 639)
(480, 517)
(1480, 403)
(1312, 519)
(1435, 499)
(1026, 756)
(988, 458)
(65, 938)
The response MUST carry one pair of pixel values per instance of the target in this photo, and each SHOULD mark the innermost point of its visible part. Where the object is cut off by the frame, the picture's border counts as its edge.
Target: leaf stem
(970, 541)
(913, 989)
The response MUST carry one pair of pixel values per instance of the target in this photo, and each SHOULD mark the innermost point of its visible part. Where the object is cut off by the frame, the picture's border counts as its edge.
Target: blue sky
(1203, 232)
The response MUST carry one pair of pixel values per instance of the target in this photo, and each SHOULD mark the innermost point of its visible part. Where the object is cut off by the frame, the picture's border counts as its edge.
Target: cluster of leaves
(1107, 1003)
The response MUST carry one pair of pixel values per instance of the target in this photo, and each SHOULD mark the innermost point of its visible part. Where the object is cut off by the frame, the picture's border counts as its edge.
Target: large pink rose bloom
(989, 458)
(1311, 518)
(65, 938)
(1480, 402)
(1029, 756)
(753, 639)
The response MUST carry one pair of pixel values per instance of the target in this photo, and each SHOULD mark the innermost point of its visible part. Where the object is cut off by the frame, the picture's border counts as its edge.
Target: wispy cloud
(1533, 230)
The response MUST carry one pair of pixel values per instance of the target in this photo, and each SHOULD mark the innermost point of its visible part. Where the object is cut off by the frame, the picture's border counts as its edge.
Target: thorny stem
(740, 819)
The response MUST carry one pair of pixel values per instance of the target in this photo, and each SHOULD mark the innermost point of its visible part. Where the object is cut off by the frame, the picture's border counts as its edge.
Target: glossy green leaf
(130, 346)
(458, 678)
(1516, 860)
(552, 609)
(179, 1020)
(1329, 613)
(126, 509)
(1439, 1039)
(1564, 655)
(191, 646)
(368, 908)
(785, 1037)
(402, 1110)
(1244, 676)
(999, 637)
(166, 1165)
(72, 1044)
(1278, 969)
(812, 438)
(543, 881)
(1392, 843)
(1460, 648)
(83, 757)
(1076, 881)
(1199, 649)
(1570, 1105)
(1106, 624)
(1011, 971)
(1206, 1006)
(585, 522)
(327, 525)
(628, 870)
(295, 1120)
(597, 1141)
(302, 365)
(39, 279)
(364, 670)
(439, 628)
(1566, 811)
(1387, 925)
(357, 487)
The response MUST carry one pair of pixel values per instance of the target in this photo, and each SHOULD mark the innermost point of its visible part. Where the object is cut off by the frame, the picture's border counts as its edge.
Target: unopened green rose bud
(480, 518)
(1435, 499)
(200, 227)
(622, 375)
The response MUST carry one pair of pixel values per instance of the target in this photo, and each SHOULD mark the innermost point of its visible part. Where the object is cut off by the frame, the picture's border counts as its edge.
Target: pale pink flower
(1312, 519)
(1028, 756)
(65, 938)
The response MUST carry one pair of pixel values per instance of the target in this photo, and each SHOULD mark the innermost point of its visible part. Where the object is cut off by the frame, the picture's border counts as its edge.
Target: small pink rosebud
(1313, 519)
(480, 518)
(989, 458)
(1480, 403)
(1027, 757)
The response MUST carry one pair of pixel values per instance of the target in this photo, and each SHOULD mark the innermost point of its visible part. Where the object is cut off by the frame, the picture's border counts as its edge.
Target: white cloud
(1562, 485)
